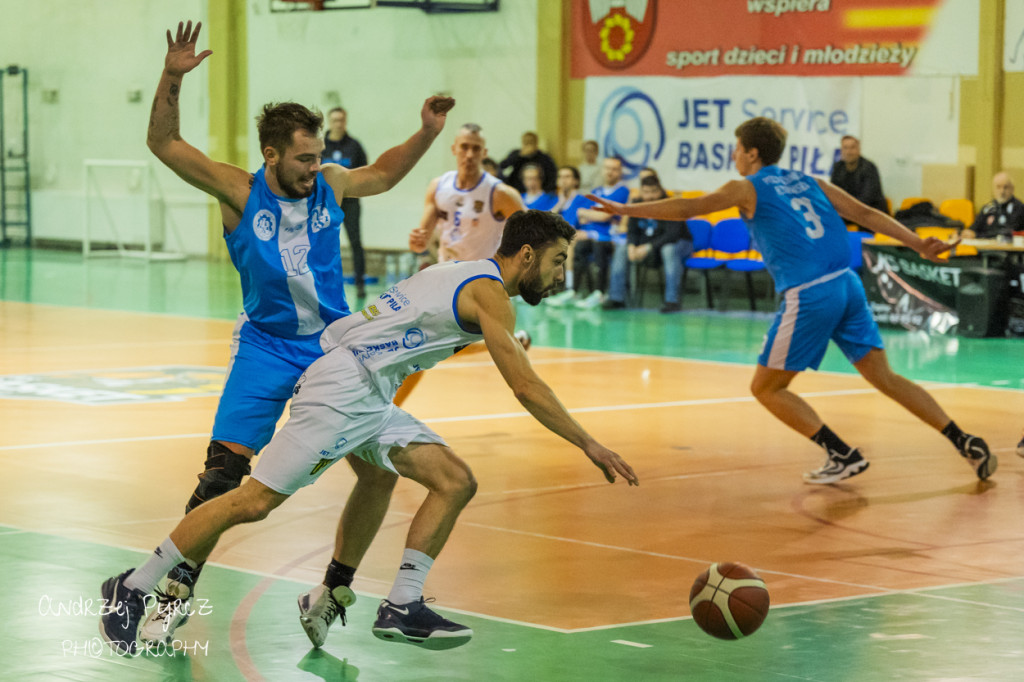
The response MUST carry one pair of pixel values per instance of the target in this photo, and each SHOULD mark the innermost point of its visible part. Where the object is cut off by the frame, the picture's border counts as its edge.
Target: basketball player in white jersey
(465, 209)
(343, 408)
(281, 228)
(463, 219)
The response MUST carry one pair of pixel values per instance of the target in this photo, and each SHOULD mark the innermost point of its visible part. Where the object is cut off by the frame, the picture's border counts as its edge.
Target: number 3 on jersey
(803, 205)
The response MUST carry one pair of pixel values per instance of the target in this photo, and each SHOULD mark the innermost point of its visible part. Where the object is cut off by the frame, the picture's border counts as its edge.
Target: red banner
(748, 37)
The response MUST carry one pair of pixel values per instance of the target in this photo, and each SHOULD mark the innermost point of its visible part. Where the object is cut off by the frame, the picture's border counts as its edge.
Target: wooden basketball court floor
(109, 375)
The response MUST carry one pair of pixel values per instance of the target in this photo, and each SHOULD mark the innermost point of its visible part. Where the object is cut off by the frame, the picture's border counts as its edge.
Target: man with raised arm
(282, 229)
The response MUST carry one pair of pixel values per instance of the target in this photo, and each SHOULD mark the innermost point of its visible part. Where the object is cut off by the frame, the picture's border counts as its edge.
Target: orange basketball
(729, 601)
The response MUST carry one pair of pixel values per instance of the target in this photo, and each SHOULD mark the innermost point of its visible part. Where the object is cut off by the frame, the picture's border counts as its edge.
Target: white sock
(146, 577)
(568, 279)
(413, 572)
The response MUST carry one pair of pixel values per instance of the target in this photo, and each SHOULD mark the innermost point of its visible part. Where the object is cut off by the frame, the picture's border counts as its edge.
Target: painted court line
(638, 645)
(113, 346)
(660, 555)
(103, 441)
(696, 402)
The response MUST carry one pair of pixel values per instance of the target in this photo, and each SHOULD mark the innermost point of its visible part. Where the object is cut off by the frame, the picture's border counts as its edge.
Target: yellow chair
(888, 205)
(691, 193)
(958, 209)
(910, 201)
(885, 239)
(943, 233)
(725, 214)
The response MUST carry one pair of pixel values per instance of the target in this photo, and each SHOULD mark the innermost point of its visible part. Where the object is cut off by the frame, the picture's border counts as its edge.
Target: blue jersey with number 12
(796, 228)
(287, 253)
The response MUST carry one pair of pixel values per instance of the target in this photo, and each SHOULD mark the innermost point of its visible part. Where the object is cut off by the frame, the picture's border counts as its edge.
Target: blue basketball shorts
(260, 379)
(830, 307)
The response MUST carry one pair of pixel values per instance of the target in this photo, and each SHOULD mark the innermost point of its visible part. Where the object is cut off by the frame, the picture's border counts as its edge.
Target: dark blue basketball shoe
(123, 611)
(414, 623)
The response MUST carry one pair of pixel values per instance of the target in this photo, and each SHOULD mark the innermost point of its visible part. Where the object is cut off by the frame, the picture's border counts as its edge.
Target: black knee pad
(224, 472)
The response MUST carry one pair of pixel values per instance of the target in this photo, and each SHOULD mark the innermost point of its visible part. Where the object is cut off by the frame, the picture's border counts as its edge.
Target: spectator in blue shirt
(595, 241)
(570, 201)
(535, 197)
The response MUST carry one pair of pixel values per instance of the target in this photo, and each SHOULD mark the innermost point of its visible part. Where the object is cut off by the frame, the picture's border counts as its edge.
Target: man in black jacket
(653, 243)
(1000, 217)
(344, 150)
(529, 153)
(858, 176)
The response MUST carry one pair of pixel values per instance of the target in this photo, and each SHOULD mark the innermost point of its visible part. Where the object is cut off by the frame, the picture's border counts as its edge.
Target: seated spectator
(491, 166)
(535, 197)
(528, 153)
(590, 169)
(646, 172)
(1000, 217)
(858, 176)
(570, 201)
(595, 241)
(651, 243)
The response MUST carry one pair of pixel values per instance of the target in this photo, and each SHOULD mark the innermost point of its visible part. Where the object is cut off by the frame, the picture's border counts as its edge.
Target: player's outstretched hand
(181, 51)
(435, 112)
(932, 247)
(612, 207)
(610, 463)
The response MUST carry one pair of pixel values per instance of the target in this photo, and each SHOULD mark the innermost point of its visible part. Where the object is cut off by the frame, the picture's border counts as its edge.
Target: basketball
(729, 601)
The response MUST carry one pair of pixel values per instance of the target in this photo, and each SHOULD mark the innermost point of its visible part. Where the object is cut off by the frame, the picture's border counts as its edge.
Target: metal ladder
(15, 192)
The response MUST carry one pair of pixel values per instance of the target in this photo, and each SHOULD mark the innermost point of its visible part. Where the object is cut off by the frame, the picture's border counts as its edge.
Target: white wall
(91, 53)
(909, 122)
(381, 65)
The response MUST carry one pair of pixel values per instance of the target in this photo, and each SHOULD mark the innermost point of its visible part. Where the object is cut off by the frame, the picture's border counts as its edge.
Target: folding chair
(703, 258)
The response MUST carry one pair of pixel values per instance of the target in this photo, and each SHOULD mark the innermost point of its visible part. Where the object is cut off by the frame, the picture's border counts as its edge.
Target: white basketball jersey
(469, 230)
(412, 326)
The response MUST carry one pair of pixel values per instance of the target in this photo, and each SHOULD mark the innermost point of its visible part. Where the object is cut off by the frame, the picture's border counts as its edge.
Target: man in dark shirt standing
(344, 150)
(529, 152)
(858, 176)
(1000, 217)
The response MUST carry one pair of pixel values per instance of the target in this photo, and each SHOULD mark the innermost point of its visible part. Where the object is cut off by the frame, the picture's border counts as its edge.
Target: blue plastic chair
(703, 258)
(731, 244)
(856, 249)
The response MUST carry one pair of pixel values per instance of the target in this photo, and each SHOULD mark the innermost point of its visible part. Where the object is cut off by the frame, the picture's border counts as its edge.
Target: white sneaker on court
(173, 607)
(593, 300)
(319, 607)
(561, 299)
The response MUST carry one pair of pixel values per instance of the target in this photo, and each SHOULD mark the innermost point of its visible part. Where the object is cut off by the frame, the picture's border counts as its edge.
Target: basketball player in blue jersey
(795, 220)
(281, 226)
(343, 409)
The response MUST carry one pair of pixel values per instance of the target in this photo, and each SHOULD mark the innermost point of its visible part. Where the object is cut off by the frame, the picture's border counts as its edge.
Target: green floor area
(51, 625)
(202, 289)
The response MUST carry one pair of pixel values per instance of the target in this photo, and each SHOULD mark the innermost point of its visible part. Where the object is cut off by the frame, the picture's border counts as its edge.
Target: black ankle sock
(830, 441)
(339, 574)
(955, 435)
(185, 574)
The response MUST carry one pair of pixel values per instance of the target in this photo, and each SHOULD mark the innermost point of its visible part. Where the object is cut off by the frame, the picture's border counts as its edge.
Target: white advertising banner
(684, 127)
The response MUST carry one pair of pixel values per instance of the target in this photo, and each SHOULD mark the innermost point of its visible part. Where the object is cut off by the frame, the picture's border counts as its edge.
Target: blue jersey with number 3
(796, 228)
(287, 253)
